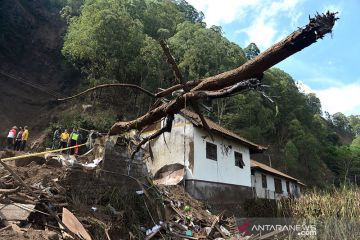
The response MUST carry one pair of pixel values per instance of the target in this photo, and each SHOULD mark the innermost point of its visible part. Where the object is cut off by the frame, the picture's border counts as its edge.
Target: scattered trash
(225, 231)
(189, 233)
(92, 165)
(184, 217)
(187, 208)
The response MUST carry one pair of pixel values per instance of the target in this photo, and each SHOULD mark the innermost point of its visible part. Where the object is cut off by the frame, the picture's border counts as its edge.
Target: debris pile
(40, 206)
(187, 218)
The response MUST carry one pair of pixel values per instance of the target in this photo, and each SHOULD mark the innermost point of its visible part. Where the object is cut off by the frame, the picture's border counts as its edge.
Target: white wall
(261, 192)
(269, 192)
(223, 170)
(173, 147)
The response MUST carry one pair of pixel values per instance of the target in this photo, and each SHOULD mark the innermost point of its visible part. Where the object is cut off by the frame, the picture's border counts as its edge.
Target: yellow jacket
(25, 135)
(64, 137)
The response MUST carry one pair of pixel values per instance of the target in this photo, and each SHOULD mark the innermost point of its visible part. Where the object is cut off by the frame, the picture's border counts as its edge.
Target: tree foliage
(117, 41)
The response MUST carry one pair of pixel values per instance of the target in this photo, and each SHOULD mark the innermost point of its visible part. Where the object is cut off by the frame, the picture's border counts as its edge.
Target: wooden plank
(74, 225)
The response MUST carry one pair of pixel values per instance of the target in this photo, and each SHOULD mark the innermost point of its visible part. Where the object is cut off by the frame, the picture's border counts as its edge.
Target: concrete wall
(269, 192)
(218, 193)
(174, 147)
(212, 181)
(223, 170)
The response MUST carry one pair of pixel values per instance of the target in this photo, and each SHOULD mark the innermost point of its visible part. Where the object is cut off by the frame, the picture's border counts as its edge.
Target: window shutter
(239, 162)
(211, 151)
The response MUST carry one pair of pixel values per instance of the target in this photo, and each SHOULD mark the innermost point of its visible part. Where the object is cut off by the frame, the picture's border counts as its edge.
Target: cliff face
(32, 70)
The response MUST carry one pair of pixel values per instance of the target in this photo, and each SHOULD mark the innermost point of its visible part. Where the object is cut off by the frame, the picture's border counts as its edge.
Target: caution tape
(40, 153)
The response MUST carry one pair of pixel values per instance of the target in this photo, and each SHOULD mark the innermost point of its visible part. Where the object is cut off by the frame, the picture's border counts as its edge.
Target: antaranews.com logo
(253, 226)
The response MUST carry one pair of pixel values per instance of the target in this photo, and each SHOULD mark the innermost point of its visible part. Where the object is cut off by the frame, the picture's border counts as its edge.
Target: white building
(214, 169)
(270, 183)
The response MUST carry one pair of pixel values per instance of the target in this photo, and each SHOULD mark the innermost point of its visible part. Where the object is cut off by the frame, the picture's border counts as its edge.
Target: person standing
(56, 139)
(18, 139)
(24, 139)
(74, 137)
(11, 137)
(64, 138)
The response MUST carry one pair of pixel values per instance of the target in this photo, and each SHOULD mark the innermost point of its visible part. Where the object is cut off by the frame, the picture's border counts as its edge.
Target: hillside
(43, 56)
(32, 70)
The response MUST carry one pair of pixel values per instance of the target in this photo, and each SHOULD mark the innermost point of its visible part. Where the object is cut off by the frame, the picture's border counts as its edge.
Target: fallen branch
(5, 228)
(174, 66)
(295, 42)
(166, 128)
(52, 213)
(168, 91)
(126, 85)
(178, 75)
(9, 191)
(176, 105)
(223, 84)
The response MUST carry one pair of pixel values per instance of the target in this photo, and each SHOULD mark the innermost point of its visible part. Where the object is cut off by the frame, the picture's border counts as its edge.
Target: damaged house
(270, 183)
(216, 168)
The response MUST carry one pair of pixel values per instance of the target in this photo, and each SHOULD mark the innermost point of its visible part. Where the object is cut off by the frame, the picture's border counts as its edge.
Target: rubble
(104, 211)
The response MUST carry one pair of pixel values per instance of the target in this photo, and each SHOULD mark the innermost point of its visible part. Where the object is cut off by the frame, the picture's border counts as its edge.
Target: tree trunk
(295, 42)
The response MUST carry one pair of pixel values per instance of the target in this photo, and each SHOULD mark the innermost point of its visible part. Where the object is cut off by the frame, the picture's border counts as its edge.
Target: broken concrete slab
(18, 212)
(170, 174)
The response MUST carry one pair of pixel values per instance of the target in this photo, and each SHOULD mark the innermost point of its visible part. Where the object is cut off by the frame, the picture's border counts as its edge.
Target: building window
(278, 185)
(211, 151)
(239, 160)
(263, 180)
(288, 187)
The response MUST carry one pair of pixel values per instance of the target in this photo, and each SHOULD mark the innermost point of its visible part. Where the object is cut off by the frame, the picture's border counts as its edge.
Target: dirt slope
(30, 44)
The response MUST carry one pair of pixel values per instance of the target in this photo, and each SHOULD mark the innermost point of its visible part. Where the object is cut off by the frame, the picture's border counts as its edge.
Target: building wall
(223, 170)
(269, 192)
(218, 193)
(174, 147)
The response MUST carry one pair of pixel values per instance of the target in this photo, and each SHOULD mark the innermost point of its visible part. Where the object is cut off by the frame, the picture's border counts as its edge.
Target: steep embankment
(32, 71)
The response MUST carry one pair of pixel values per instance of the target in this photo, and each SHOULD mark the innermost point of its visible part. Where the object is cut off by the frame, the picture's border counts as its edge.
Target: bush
(335, 212)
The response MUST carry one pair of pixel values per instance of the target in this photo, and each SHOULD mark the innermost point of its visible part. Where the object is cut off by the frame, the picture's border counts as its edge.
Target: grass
(335, 212)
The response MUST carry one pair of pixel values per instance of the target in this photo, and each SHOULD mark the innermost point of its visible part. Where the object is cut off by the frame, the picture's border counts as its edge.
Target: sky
(329, 68)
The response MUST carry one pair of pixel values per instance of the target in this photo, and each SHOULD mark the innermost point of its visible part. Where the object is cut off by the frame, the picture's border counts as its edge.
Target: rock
(54, 162)
(52, 236)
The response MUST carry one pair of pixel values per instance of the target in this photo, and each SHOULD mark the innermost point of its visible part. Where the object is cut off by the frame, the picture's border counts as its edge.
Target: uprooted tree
(245, 77)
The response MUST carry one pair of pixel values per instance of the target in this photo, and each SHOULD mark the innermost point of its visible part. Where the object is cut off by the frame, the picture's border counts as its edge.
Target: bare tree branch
(178, 75)
(174, 66)
(168, 91)
(226, 83)
(316, 29)
(126, 85)
(175, 105)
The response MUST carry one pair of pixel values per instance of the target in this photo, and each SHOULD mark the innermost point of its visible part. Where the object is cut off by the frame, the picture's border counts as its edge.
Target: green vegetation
(117, 41)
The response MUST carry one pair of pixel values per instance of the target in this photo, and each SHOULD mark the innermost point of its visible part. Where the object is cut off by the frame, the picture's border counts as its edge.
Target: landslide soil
(31, 34)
